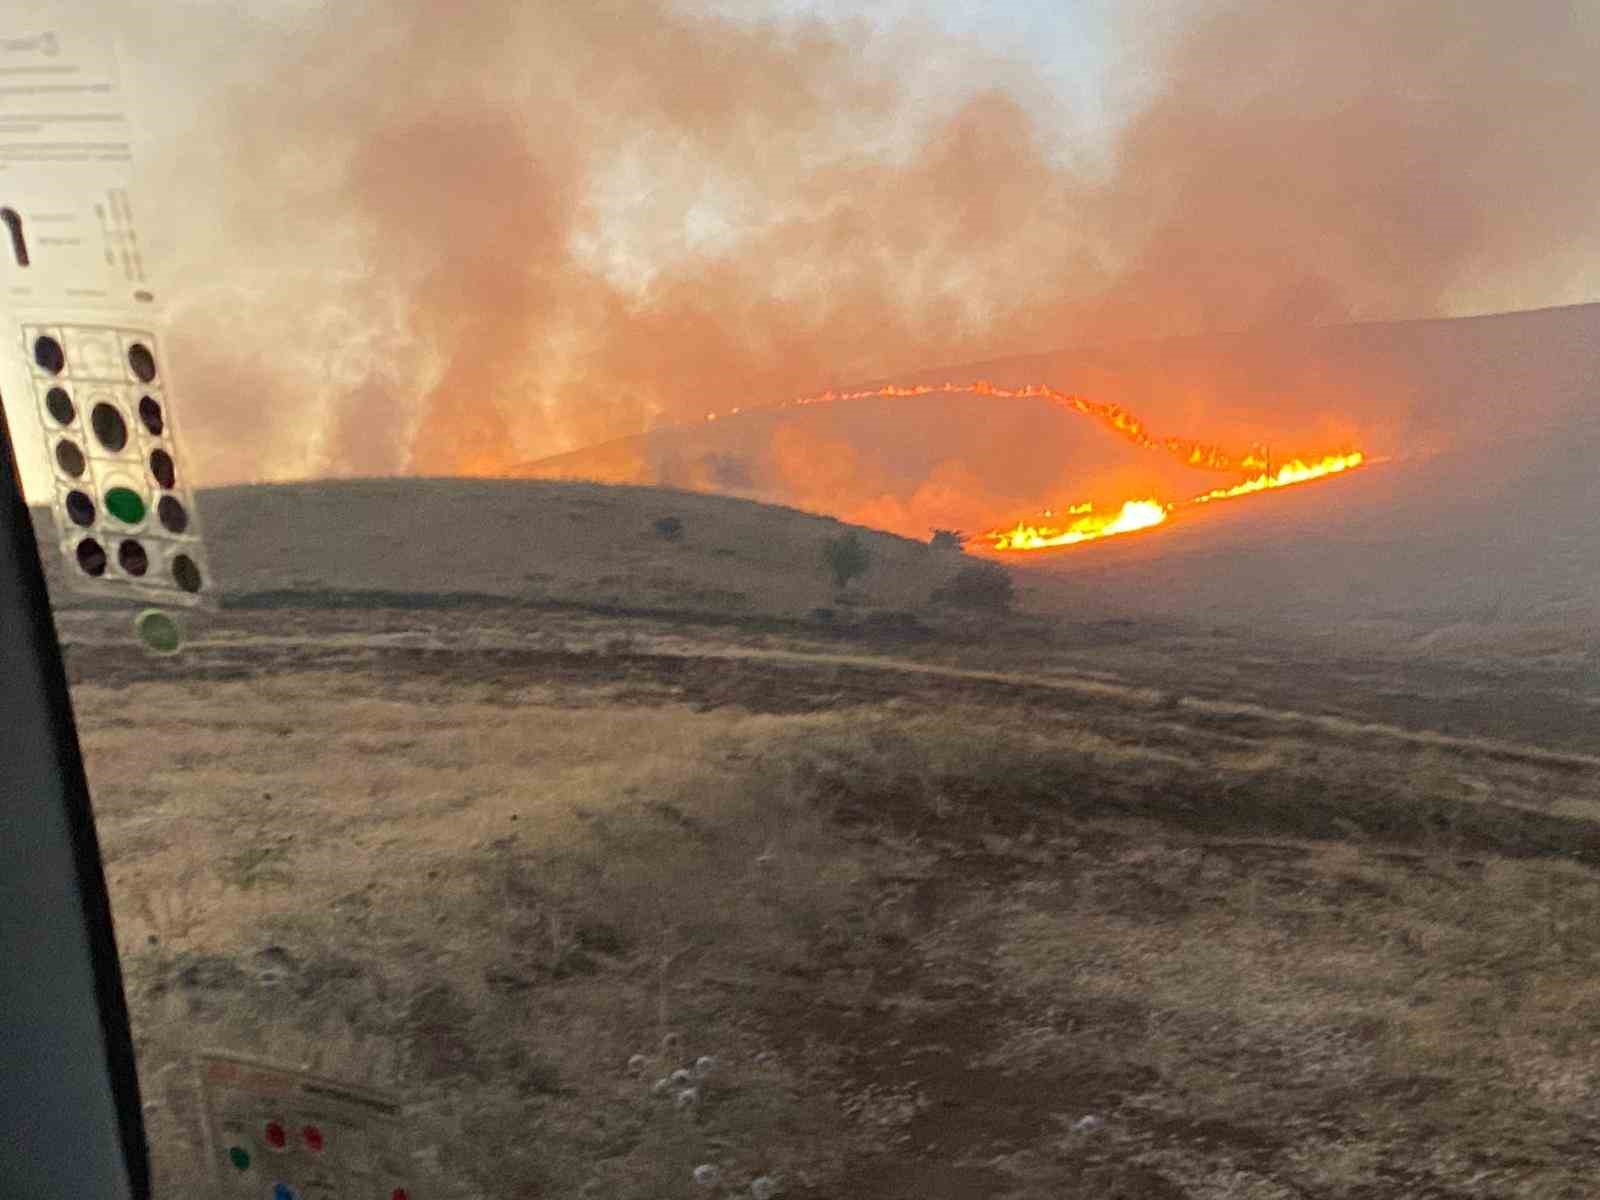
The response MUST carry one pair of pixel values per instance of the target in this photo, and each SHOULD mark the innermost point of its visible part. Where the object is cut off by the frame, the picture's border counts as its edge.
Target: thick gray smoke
(436, 238)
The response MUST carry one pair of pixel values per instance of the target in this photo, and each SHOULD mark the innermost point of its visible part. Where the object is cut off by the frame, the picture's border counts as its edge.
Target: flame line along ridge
(1116, 417)
(1135, 515)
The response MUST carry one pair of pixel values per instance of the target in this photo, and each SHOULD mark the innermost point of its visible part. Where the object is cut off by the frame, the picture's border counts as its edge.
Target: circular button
(48, 354)
(126, 505)
(157, 631)
(132, 558)
(282, 1191)
(59, 405)
(141, 362)
(174, 517)
(109, 427)
(70, 459)
(187, 576)
(150, 414)
(240, 1158)
(80, 509)
(163, 470)
(276, 1137)
(312, 1136)
(92, 557)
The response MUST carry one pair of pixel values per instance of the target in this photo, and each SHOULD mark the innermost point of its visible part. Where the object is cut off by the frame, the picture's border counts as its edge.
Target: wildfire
(1142, 514)
(1287, 475)
(1134, 514)
(1196, 454)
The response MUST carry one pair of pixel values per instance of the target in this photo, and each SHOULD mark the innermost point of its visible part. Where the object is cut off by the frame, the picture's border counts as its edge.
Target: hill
(426, 542)
(1479, 524)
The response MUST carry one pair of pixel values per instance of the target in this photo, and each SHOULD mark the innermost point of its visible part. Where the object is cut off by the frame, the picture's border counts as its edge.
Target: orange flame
(1290, 473)
(1142, 514)
(1134, 514)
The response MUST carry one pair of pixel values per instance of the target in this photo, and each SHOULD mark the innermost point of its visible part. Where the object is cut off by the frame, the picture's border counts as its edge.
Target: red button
(399, 1194)
(313, 1138)
(276, 1138)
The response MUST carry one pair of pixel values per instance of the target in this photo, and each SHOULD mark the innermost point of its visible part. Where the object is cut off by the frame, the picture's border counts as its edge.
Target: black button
(185, 573)
(48, 354)
(132, 558)
(60, 406)
(92, 557)
(174, 517)
(150, 414)
(161, 467)
(70, 458)
(141, 362)
(109, 427)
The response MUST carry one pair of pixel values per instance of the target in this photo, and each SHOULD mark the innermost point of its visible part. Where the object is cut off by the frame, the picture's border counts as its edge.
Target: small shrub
(982, 585)
(948, 539)
(670, 528)
(846, 558)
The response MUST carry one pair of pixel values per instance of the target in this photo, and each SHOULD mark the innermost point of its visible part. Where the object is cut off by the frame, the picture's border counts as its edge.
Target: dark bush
(846, 558)
(948, 539)
(983, 585)
(670, 528)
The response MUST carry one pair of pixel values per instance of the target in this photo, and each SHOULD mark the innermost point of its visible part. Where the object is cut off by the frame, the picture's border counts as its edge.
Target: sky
(1069, 46)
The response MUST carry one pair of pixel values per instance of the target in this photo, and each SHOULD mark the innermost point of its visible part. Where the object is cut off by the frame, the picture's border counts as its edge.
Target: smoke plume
(430, 238)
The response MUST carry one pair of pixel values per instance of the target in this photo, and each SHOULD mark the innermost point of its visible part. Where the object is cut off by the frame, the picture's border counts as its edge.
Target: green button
(125, 504)
(240, 1158)
(157, 631)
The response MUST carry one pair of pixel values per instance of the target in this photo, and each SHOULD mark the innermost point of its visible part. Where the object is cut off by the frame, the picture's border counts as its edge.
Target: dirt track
(709, 674)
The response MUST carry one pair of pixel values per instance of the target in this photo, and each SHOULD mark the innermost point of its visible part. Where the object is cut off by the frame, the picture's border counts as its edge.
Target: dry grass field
(1053, 904)
(927, 919)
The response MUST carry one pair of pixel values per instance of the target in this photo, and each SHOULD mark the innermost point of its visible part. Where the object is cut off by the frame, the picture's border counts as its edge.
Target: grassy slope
(570, 542)
(923, 933)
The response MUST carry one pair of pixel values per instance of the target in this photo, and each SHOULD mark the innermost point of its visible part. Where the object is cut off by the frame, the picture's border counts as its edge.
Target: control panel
(124, 513)
(274, 1133)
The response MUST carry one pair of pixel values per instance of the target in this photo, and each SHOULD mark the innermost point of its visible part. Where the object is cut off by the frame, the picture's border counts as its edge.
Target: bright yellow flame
(1134, 514)
(1142, 514)
(1286, 475)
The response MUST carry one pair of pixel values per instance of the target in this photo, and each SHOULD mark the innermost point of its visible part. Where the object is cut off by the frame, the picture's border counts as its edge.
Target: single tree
(948, 539)
(984, 585)
(846, 558)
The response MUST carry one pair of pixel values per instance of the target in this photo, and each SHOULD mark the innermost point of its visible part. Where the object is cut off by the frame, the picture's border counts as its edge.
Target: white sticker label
(275, 1132)
(69, 234)
(88, 390)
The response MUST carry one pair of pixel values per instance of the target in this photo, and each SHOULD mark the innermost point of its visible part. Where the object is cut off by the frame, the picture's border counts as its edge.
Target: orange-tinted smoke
(447, 239)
